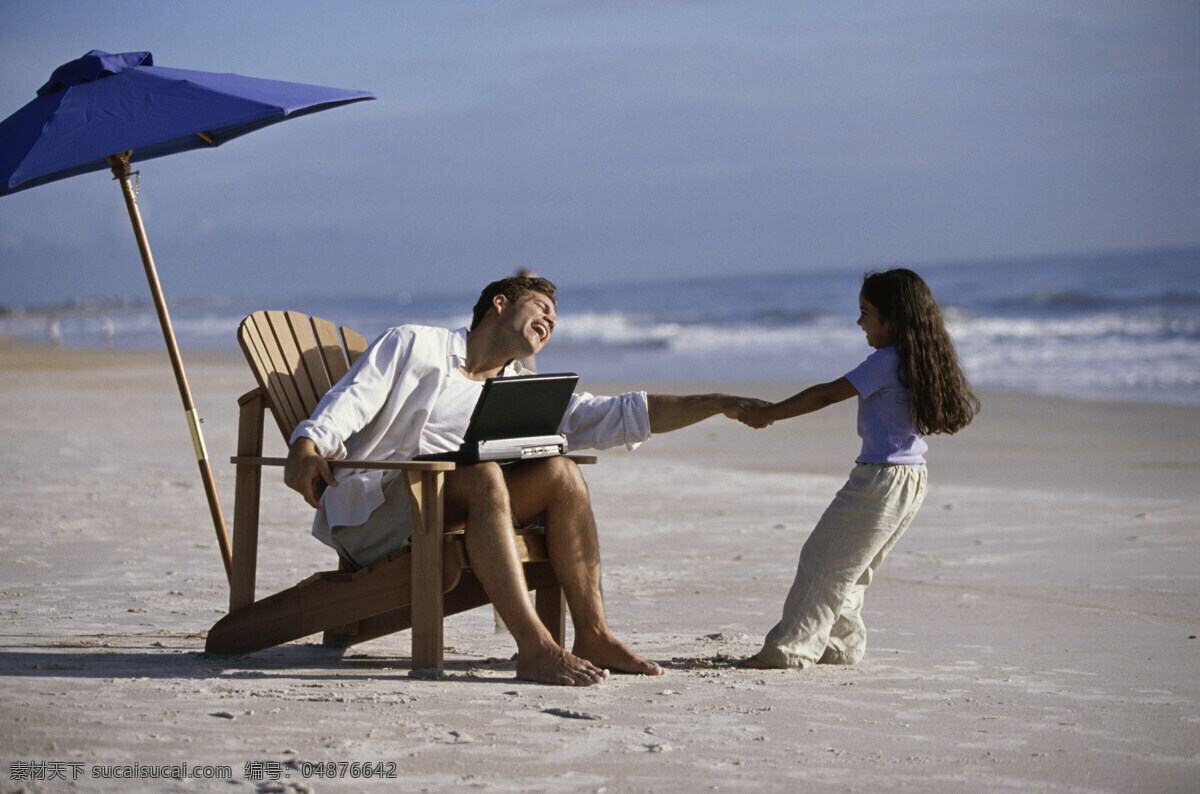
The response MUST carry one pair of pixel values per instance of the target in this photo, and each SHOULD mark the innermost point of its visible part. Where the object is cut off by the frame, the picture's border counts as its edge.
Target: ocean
(1118, 327)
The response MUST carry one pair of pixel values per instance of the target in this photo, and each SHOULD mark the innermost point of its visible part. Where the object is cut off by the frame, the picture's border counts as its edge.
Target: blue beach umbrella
(105, 111)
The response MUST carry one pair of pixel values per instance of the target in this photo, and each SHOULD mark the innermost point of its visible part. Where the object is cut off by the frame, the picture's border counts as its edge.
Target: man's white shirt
(379, 410)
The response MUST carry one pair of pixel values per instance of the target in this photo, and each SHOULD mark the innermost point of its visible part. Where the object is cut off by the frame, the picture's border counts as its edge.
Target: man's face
(532, 316)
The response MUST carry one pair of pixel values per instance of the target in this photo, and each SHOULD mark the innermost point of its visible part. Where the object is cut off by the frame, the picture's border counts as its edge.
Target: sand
(1036, 629)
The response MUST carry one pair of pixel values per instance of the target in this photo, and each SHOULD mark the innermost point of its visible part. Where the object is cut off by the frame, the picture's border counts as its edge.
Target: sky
(617, 142)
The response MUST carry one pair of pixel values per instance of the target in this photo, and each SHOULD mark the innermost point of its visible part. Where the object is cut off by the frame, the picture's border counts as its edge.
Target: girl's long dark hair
(942, 400)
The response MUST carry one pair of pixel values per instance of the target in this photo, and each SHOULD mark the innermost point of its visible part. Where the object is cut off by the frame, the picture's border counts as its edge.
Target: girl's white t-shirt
(885, 422)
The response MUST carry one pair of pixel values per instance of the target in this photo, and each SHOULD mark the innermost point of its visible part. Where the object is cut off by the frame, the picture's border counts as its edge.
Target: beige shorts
(389, 528)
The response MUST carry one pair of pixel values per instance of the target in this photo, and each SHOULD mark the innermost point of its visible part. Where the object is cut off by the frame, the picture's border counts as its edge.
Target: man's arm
(343, 410)
(672, 411)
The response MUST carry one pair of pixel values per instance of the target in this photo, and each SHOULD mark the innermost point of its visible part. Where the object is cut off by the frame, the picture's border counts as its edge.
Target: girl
(911, 386)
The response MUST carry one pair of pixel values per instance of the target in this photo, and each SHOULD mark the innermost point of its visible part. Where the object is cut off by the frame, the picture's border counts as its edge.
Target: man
(412, 393)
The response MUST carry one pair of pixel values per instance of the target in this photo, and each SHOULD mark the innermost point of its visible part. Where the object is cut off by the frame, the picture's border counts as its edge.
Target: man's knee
(564, 473)
(546, 484)
(480, 485)
(479, 475)
(561, 480)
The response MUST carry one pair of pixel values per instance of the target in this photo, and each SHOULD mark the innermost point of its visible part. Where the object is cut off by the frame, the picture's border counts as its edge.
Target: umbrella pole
(120, 169)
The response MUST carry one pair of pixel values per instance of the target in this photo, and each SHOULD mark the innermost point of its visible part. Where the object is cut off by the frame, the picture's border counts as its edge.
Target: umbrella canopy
(103, 111)
(104, 104)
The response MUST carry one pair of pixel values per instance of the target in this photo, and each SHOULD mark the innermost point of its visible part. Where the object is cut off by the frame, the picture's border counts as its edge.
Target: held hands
(737, 407)
(757, 417)
(747, 410)
(814, 398)
(307, 472)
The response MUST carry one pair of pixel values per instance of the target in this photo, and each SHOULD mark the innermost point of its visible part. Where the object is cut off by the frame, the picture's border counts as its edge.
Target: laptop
(515, 419)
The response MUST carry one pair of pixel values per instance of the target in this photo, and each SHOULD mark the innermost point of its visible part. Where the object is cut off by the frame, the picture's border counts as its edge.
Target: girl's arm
(811, 399)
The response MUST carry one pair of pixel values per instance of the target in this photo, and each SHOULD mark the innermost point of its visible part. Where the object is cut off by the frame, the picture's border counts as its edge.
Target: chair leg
(427, 600)
(248, 485)
(341, 636)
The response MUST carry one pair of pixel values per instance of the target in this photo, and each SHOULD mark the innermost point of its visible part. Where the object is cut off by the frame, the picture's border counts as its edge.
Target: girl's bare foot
(754, 663)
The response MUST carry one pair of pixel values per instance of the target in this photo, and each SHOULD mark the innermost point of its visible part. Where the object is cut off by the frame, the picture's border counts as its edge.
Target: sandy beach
(1035, 630)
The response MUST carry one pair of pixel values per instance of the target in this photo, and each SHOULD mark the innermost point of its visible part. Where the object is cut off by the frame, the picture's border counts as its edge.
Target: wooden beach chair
(295, 359)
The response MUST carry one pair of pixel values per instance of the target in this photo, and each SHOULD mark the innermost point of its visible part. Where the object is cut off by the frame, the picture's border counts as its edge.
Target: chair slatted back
(296, 359)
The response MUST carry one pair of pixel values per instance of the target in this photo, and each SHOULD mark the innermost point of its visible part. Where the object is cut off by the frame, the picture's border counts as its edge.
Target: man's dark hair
(513, 288)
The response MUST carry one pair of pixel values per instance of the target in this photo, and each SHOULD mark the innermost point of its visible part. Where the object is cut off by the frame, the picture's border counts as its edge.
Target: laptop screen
(528, 405)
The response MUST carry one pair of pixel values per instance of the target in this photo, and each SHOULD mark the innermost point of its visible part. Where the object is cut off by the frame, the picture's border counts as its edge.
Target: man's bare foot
(559, 668)
(754, 663)
(611, 654)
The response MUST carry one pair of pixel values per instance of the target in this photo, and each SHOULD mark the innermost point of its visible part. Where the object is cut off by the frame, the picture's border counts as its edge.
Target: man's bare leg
(478, 496)
(554, 487)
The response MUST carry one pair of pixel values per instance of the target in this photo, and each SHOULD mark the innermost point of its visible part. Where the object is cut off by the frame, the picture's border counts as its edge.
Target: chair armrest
(402, 465)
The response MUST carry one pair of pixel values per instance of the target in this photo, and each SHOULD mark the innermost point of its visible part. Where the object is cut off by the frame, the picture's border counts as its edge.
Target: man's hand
(306, 471)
